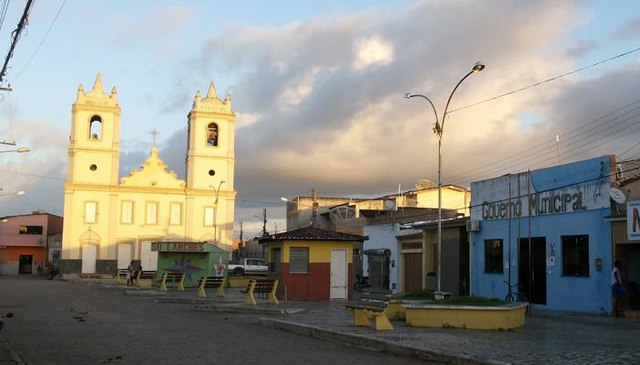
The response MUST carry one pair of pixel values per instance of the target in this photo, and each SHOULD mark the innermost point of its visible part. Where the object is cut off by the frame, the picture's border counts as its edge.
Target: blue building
(546, 233)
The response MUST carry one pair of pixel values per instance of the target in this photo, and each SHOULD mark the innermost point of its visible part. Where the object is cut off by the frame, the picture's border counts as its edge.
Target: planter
(503, 317)
(238, 282)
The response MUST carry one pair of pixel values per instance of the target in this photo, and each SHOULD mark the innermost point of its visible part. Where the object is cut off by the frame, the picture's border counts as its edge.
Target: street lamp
(19, 192)
(314, 211)
(215, 212)
(18, 150)
(438, 129)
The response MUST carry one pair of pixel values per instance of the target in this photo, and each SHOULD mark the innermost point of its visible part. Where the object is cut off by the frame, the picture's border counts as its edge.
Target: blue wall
(564, 293)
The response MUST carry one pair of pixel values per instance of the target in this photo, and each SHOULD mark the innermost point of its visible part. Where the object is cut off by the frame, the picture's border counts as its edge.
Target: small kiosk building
(312, 264)
(195, 259)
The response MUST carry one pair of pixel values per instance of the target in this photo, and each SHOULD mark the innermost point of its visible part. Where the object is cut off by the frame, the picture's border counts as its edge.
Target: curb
(372, 343)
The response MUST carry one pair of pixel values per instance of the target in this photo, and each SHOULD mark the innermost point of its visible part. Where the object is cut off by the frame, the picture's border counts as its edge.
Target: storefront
(545, 233)
(195, 259)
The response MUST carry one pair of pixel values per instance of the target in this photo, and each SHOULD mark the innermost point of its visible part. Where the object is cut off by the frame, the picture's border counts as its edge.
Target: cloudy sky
(317, 87)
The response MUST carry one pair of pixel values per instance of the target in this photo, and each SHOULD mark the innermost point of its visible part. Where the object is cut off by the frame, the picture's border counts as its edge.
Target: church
(110, 221)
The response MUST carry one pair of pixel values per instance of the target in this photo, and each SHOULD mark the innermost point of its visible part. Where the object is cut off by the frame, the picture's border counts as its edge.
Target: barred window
(575, 255)
(493, 256)
(298, 260)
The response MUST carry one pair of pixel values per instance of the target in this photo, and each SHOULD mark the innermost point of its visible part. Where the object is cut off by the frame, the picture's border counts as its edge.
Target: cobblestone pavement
(546, 338)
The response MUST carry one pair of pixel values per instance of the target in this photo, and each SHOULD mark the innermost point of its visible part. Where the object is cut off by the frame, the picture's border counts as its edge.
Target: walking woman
(617, 290)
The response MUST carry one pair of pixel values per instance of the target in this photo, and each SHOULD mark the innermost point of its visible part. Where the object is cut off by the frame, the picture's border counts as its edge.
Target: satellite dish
(424, 184)
(389, 204)
(617, 195)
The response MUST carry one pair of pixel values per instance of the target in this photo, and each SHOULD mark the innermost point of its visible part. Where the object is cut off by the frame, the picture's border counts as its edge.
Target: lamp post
(314, 212)
(438, 129)
(17, 150)
(215, 210)
(19, 192)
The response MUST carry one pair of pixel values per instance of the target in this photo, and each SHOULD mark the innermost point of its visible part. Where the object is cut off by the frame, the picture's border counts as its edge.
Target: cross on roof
(154, 134)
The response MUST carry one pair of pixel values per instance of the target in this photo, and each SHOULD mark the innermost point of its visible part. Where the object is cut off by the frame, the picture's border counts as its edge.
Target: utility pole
(241, 244)
(264, 222)
(16, 35)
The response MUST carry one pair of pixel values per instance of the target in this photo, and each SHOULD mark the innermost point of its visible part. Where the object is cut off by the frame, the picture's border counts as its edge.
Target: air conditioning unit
(473, 225)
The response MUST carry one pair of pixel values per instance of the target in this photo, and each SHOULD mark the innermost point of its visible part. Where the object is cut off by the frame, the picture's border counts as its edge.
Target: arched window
(212, 134)
(95, 128)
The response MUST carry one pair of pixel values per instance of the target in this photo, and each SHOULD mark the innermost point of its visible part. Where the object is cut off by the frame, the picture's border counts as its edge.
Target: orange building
(26, 242)
(312, 264)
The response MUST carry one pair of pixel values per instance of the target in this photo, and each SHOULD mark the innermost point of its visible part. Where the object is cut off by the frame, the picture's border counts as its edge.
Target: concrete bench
(372, 305)
(262, 286)
(216, 282)
(177, 278)
(121, 275)
(146, 275)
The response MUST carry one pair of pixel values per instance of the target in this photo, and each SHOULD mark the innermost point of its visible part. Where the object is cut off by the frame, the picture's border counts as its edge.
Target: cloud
(319, 102)
(630, 29)
(159, 31)
(327, 92)
(373, 51)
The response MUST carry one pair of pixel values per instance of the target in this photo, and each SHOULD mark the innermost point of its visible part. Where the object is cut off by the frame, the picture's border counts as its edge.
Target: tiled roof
(311, 233)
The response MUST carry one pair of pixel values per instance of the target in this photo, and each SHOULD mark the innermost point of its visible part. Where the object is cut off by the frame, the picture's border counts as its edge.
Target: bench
(216, 282)
(172, 277)
(371, 305)
(121, 275)
(262, 286)
(150, 275)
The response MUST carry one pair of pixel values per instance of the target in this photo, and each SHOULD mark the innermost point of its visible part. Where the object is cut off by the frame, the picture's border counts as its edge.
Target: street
(59, 322)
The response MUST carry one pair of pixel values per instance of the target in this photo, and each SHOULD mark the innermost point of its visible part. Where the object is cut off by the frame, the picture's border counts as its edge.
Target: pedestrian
(130, 273)
(617, 290)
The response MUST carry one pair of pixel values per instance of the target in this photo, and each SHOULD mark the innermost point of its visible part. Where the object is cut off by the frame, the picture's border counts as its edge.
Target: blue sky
(317, 87)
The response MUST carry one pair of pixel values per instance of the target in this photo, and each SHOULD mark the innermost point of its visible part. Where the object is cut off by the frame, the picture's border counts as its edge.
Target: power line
(3, 12)
(41, 41)
(16, 35)
(547, 80)
(611, 125)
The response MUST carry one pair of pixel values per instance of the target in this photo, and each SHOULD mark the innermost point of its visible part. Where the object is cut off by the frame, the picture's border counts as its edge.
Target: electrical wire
(3, 12)
(41, 41)
(617, 123)
(546, 81)
(16, 36)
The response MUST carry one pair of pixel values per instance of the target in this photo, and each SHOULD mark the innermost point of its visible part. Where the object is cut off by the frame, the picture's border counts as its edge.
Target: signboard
(177, 246)
(633, 220)
(556, 201)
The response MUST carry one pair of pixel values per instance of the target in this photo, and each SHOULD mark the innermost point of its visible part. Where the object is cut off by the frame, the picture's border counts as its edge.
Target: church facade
(109, 221)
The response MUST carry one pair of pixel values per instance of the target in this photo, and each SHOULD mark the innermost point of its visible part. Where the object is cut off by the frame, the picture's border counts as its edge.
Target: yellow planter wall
(495, 318)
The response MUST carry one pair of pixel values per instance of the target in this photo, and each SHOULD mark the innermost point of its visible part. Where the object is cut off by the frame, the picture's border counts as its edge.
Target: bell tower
(94, 143)
(210, 146)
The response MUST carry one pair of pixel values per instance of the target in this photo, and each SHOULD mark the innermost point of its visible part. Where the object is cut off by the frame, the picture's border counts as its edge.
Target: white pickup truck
(248, 267)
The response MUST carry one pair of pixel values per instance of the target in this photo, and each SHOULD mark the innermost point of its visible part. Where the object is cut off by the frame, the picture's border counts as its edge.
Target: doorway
(26, 264)
(378, 265)
(338, 280)
(532, 275)
(89, 256)
(412, 272)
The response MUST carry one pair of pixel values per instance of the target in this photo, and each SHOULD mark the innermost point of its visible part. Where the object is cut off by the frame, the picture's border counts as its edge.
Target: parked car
(248, 267)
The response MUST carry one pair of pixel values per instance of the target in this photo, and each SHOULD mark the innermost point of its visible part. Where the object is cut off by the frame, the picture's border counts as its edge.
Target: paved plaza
(546, 338)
